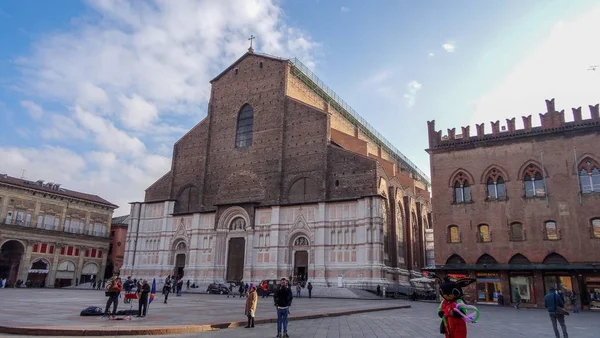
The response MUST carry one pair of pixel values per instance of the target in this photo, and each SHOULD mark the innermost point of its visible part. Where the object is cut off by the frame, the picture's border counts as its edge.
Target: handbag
(560, 310)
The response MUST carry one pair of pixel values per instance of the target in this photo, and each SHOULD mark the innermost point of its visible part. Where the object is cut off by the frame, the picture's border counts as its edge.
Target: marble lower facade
(319, 242)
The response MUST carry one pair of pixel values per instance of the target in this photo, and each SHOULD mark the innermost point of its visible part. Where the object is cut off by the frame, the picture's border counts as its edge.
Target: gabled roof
(23, 183)
(266, 56)
(121, 220)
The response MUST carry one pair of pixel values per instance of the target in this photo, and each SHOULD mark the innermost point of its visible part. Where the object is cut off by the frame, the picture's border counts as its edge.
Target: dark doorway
(10, 257)
(179, 265)
(235, 260)
(301, 265)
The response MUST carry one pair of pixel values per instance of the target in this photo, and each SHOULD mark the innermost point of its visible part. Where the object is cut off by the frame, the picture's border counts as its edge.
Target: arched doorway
(301, 247)
(38, 273)
(10, 257)
(88, 273)
(235, 260)
(179, 258)
(65, 274)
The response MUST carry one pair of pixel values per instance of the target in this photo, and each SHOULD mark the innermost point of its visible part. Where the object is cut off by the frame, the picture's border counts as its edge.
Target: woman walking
(251, 301)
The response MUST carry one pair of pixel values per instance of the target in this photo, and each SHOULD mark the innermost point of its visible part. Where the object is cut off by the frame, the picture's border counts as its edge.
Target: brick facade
(567, 249)
(294, 160)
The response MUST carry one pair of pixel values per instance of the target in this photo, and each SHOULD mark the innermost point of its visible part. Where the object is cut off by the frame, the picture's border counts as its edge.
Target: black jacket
(145, 290)
(283, 297)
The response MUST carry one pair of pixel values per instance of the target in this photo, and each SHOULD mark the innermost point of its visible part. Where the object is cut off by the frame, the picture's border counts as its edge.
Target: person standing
(113, 291)
(378, 290)
(167, 289)
(309, 287)
(188, 285)
(298, 289)
(574, 300)
(251, 302)
(179, 287)
(144, 291)
(553, 302)
(517, 299)
(265, 289)
(241, 290)
(283, 300)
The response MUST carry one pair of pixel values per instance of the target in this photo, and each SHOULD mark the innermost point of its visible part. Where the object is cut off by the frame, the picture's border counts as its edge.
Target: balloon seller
(455, 313)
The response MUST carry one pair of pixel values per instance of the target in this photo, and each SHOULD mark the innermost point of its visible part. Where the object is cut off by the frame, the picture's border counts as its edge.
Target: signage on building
(592, 279)
(457, 275)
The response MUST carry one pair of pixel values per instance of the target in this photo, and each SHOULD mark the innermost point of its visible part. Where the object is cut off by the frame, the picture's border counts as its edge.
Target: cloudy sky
(93, 94)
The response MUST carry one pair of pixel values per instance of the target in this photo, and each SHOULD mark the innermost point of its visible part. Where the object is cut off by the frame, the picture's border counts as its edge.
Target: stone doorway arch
(11, 253)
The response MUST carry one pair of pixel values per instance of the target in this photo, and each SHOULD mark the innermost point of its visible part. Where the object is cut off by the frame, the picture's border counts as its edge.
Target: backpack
(92, 311)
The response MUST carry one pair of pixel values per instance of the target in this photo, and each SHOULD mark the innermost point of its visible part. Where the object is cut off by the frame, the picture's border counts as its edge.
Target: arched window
(483, 233)
(589, 176)
(486, 259)
(462, 189)
(534, 182)
(455, 259)
(453, 235)
(245, 123)
(596, 228)
(496, 189)
(551, 231)
(516, 232)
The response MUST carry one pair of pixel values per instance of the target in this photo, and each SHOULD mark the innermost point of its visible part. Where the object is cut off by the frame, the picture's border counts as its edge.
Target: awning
(514, 267)
(38, 271)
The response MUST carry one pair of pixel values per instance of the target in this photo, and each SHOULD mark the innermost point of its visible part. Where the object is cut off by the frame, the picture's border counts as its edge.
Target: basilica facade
(282, 178)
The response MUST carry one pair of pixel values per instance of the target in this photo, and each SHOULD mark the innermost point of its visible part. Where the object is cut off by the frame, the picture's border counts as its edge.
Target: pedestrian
(251, 302)
(179, 287)
(265, 289)
(309, 287)
(246, 288)
(555, 306)
(94, 285)
(298, 289)
(113, 291)
(574, 300)
(517, 299)
(167, 289)
(378, 290)
(230, 291)
(188, 284)
(241, 290)
(143, 299)
(283, 300)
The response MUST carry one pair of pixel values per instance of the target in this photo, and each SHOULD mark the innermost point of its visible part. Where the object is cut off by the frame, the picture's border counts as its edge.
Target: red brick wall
(510, 156)
(118, 246)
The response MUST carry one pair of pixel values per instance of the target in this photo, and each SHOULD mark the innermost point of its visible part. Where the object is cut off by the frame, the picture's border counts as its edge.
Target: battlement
(551, 121)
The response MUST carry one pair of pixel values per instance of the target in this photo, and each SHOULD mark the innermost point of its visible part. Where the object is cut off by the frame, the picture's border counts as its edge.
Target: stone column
(53, 266)
(79, 267)
(63, 218)
(90, 227)
(3, 209)
(25, 262)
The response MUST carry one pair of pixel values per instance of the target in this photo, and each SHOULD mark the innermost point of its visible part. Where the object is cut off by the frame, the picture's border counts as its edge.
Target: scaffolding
(320, 88)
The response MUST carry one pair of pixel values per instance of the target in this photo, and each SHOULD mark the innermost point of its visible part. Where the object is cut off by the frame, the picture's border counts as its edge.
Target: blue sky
(93, 94)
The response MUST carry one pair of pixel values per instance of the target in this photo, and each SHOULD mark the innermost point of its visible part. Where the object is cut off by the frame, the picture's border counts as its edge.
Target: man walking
(554, 304)
(517, 299)
(144, 291)
(283, 300)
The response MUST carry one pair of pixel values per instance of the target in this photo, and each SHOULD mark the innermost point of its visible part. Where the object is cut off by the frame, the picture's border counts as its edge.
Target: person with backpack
(112, 291)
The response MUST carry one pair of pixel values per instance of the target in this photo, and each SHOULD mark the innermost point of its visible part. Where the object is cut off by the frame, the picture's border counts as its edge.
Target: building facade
(50, 236)
(519, 209)
(282, 178)
(116, 249)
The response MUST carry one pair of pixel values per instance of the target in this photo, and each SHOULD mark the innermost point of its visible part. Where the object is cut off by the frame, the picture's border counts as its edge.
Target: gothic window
(551, 231)
(462, 189)
(516, 232)
(496, 189)
(589, 176)
(453, 235)
(245, 122)
(301, 241)
(188, 200)
(483, 233)
(596, 227)
(455, 259)
(534, 182)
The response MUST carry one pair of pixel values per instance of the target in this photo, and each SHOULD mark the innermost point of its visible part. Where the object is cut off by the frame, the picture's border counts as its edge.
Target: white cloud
(431, 54)
(137, 113)
(412, 88)
(554, 68)
(35, 111)
(449, 47)
(345, 9)
(135, 76)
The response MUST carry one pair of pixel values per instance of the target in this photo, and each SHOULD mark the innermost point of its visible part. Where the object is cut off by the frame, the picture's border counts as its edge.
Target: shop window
(589, 176)
(453, 235)
(551, 231)
(596, 228)
(534, 182)
(516, 232)
(559, 283)
(483, 233)
(523, 287)
(489, 288)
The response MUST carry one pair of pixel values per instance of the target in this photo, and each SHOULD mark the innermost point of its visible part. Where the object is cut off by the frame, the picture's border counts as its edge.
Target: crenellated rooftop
(552, 121)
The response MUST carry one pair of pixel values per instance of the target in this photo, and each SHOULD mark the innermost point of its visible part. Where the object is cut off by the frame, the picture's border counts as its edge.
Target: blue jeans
(282, 320)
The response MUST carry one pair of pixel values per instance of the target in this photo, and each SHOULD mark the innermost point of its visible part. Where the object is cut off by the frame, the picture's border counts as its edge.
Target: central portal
(235, 260)
(179, 265)
(301, 265)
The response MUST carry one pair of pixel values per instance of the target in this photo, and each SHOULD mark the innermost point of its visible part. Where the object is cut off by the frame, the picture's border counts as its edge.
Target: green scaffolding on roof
(320, 88)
